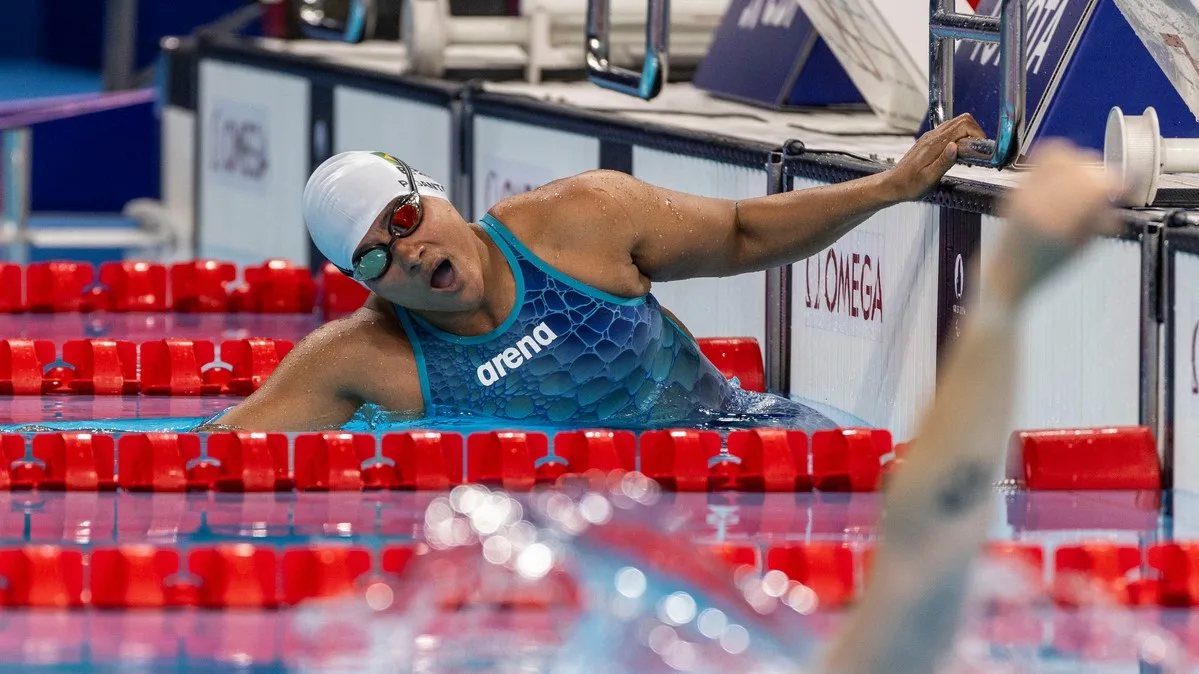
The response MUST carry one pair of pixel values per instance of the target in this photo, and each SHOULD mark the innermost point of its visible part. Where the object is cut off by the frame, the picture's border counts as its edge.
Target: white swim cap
(346, 193)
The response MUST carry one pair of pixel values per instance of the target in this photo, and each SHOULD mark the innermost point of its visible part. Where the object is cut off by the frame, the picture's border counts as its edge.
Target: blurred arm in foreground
(937, 508)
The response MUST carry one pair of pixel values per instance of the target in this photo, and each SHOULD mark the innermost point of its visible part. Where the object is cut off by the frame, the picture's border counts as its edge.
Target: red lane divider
(678, 459)
(329, 461)
(133, 286)
(42, 576)
(849, 459)
(200, 286)
(1094, 573)
(57, 287)
(504, 458)
(12, 299)
(21, 364)
(340, 294)
(826, 568)
(155, 461)
(277, 287)
(251, 461)
(739, 357)
(323, 571)
(133, 576)
(771, 460)
(102, 366)
(420, 460)
(1086, 459)
(75, 461)
(253, 361)
(595, 453)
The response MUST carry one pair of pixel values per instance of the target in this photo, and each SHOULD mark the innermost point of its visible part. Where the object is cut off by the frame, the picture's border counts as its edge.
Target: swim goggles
(405, 217)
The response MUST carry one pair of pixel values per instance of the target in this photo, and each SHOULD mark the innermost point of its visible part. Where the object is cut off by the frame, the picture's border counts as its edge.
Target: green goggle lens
(372, 265)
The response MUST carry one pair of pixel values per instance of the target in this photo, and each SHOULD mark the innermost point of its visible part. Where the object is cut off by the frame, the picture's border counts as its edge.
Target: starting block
(1083, 58)
(769, 53)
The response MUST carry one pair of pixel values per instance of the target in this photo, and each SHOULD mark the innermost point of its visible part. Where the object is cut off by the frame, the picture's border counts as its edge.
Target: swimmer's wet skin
(542, 310)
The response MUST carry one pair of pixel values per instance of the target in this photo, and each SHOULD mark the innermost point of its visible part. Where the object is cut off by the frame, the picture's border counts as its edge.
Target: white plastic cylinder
(1180, 155)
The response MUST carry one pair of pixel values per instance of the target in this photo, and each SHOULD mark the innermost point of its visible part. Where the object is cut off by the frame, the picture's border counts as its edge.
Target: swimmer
(542, 311)
(937, 508)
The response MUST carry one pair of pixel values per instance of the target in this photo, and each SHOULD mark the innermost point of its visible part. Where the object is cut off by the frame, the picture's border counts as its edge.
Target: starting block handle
(945, 28)
(646, 84)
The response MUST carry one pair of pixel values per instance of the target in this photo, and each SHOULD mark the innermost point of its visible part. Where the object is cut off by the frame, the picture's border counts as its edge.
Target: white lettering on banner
(843, 287)
(238, 145)
(1041, 19)
(773, 13)
(528, 346)
(504, 178)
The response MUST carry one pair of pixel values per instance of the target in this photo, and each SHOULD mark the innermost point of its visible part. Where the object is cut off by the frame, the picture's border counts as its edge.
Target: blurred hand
(933, 154)
(1060, 204)
(1064, 197)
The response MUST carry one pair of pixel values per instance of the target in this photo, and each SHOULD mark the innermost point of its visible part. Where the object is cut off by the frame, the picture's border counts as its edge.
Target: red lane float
(678, 459)
(75, 461)
(1122, 458)
(172, 367)
(330, 461)
(739, 357)
(278, 287)
(57, 287)
(199, 286)
(849, 459)
(102, 366)
(12, 299)
(322, 571)
(251, 461)
(772, 459)
(596, 452)
(504, 458)
(22, 362)
(134, 286)
(419, 460)
(340, 294)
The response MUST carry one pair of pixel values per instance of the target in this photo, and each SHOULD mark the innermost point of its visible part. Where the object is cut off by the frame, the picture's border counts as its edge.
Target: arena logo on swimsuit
(513, 357)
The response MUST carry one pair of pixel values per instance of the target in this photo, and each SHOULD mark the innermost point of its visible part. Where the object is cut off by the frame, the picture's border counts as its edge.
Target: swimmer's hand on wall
(933, 154)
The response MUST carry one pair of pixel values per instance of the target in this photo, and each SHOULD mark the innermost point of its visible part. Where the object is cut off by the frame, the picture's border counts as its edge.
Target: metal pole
(14, 218)
(778, 300)
(120, 44)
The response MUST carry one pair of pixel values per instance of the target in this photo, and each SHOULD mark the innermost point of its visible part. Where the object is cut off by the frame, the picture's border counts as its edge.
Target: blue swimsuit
(570, 353)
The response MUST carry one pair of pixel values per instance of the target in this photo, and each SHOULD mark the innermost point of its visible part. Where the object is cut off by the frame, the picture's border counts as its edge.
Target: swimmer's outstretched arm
(673, 235)
(937, 509)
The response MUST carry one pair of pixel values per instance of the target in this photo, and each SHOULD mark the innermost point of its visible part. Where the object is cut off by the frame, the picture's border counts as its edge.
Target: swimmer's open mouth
(443, 276)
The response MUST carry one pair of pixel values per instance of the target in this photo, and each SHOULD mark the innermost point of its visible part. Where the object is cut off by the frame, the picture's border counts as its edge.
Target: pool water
(1005, 629)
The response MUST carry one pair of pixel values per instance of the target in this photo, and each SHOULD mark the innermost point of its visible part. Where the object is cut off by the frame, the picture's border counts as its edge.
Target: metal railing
(646, 84)
(945, 28)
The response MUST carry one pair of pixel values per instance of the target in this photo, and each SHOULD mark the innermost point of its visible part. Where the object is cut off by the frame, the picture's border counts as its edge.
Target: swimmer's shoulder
(367, 354)
(563, 209)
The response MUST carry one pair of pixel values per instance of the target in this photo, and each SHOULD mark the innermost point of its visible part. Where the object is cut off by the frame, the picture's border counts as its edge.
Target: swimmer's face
(435, 268)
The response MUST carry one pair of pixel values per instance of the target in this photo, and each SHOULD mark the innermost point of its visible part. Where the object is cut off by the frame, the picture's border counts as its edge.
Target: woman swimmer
(541, 312)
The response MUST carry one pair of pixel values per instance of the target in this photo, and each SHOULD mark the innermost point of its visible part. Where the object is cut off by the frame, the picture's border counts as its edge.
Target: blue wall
(18, 39)
(71, 32)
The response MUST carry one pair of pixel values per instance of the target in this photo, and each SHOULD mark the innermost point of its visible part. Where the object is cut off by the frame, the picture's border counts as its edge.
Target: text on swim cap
(513, 357)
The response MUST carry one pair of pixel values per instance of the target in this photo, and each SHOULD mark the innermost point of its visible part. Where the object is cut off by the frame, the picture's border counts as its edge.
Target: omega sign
(238, 146)
(843, 287)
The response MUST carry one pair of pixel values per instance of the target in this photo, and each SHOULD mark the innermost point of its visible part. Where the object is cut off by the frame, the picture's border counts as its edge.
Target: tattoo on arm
(966, 487)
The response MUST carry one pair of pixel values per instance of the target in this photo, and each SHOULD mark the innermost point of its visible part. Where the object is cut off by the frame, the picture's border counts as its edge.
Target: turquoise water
(757, 411)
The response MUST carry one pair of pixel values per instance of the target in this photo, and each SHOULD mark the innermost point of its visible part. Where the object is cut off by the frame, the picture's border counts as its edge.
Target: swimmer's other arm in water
(937, 508)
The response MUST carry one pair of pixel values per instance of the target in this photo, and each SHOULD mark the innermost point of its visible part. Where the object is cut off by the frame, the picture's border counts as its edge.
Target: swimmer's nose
(409, 253)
